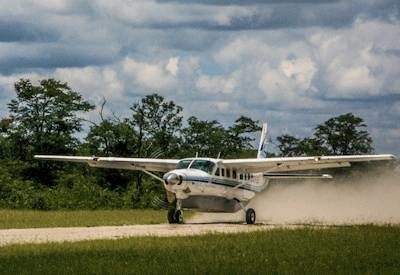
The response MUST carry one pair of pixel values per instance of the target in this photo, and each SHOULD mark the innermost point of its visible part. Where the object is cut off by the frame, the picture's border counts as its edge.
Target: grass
(340, 250)
(34, 219)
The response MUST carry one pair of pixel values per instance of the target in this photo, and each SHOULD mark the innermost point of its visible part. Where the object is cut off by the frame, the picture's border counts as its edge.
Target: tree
(240, 138)
(44, 121)
(206, 138)
(156, 123)
(344, 135)
(45, 117)
(6, 146)
(112, 138)
(289, 146)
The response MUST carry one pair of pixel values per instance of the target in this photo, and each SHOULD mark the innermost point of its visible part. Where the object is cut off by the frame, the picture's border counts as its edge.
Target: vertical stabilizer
(262, 147)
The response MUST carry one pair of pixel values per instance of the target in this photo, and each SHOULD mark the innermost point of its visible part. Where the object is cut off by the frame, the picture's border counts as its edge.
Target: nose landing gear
(175, 215)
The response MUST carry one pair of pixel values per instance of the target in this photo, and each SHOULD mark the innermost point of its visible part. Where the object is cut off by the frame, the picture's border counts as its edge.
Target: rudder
(262, 147)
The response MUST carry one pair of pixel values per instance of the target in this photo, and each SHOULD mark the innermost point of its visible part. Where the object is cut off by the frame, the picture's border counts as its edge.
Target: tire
(178, 216)
(250, 216)
(171, 215)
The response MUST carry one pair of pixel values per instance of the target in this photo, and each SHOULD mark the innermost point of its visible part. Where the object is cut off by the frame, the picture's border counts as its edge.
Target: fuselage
(204, 184)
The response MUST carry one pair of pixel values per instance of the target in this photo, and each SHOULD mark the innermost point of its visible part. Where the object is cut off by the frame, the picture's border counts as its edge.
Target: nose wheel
(175, 216)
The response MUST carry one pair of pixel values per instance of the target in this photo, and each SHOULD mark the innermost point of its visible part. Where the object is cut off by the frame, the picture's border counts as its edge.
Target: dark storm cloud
(248, 2)
(291, 14)
(49, 56)
(18, 31)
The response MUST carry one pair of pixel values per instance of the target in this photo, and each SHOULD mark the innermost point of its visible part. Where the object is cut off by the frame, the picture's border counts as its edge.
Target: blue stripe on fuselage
(228, 183)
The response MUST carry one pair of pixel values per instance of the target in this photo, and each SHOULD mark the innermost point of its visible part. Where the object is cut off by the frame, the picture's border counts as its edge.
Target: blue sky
(292, 63)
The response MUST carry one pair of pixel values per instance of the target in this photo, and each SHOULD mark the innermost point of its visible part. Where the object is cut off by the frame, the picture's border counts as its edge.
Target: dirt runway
(71, 234)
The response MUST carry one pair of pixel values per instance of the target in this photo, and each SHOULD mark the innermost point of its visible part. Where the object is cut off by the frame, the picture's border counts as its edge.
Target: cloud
(359, 61)
(94, 83)
(217, 84)
(295, 63)
(290, 83)
(170, 15)
(172, 65)
(14, 57)
(150, 76)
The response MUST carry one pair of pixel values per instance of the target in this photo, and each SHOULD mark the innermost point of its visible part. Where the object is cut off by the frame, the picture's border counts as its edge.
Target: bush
(72, 190)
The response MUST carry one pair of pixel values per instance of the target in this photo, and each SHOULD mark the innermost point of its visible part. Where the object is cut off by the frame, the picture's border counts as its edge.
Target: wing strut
(152, 175)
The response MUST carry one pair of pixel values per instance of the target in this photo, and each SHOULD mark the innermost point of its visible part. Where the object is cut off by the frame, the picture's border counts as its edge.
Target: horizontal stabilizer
(296, 176)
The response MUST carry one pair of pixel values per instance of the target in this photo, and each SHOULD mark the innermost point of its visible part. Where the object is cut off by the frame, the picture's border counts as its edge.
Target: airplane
(220, 185)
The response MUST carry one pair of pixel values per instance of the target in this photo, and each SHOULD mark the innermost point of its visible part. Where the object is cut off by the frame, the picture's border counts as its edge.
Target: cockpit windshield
(183, 164)
(204, 165)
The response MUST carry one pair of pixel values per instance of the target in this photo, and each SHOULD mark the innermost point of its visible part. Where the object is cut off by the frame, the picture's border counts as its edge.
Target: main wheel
(250, 216)
(171, 215)
(178, 216)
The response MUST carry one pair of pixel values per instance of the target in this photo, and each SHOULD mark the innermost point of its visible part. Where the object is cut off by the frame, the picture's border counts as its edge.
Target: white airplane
(220, 185)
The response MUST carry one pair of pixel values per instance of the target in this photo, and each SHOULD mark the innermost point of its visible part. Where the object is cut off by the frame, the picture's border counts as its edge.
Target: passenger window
(234, 173)
(228, 173)
(217, 172)
(241, 176)
(223, 172)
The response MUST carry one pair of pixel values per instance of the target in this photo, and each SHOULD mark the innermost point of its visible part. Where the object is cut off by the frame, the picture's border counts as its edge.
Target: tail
(262, 147)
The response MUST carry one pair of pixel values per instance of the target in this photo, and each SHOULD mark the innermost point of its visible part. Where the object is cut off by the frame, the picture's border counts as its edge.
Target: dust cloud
(363, 201)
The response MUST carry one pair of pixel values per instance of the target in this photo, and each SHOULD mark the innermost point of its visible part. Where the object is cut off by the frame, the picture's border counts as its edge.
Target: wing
(298, 163)
(157, 165)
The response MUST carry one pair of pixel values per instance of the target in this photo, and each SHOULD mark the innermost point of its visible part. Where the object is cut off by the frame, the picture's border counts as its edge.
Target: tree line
(46, 118)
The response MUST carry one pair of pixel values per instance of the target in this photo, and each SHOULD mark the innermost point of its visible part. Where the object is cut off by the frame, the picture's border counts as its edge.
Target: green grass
(32, 218)
(341, 250)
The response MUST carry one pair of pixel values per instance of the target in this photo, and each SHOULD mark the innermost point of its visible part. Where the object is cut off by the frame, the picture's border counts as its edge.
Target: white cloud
(149, 75)
(353, 81)
(93, 83)
(359, 61)
(217, 84)
(299, 70)
(172, 65)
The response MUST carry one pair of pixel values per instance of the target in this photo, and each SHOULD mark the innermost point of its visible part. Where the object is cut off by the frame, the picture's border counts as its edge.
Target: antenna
(219, 155)
(197, 154)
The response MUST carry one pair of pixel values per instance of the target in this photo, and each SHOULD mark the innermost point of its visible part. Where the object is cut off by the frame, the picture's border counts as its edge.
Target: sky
(292, 63)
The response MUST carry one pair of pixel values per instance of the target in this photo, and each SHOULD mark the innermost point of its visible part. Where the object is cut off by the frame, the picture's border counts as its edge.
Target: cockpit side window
(204, 165)
(183, 164)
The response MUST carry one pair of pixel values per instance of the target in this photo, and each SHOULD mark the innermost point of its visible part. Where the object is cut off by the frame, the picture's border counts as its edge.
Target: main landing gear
(250, 216)
(175, 215)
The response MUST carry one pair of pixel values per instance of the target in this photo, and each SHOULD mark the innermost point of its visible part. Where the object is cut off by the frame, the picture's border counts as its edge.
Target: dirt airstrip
(71, 234)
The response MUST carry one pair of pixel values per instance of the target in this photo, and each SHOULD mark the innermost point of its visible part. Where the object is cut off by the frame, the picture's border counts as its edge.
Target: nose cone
(173, 179)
